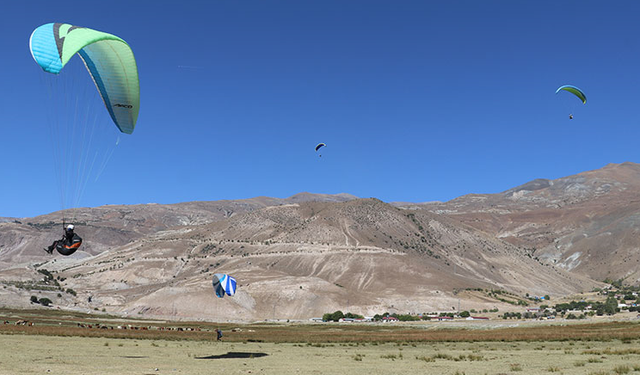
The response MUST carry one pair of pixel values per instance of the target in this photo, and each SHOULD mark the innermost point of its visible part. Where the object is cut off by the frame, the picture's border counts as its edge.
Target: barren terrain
(310, 254)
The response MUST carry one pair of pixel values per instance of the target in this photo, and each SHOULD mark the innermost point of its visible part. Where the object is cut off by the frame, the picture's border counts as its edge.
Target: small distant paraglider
(575, 91)
(224, 284)
(319, 146)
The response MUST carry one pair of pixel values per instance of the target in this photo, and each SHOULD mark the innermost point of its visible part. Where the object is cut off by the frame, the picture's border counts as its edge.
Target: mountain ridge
(309, 253)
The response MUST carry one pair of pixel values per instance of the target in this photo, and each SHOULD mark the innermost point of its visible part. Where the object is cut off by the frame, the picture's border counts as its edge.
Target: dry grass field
(56, 344)
(29, 354)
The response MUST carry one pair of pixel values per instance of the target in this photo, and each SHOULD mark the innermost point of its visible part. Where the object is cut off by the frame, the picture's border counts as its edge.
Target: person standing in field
(219, 334)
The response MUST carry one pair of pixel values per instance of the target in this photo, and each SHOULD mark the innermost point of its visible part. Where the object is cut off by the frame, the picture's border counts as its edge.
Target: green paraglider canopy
(82, 136)
(575, 91)
(108, 59)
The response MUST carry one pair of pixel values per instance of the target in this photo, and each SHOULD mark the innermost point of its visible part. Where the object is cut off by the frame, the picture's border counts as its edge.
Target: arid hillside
(107, 227)
(299, 260)
(309, 254)
(587, 223)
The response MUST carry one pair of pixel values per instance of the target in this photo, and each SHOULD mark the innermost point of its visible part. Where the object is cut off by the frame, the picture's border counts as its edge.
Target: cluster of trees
(337, 315)
(614, 283)
(536, 298)
(42, 301)
(609, 307)
(50, 279)
(527, 315)
(618, 288)
(512, 315)
(400, 317)
(574, 316)
(511, 298)
(474, 311)
(424, 316)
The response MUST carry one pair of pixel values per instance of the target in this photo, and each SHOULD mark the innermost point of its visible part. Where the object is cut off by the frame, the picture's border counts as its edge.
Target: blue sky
(416, 100)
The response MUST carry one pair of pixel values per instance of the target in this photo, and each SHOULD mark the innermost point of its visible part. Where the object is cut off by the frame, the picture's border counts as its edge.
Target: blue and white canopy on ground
(224, 284)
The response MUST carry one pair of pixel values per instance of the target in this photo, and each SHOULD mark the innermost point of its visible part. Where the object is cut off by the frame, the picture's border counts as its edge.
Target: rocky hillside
(300, 260)
(107, 227)
(308, 254)
(587, 223)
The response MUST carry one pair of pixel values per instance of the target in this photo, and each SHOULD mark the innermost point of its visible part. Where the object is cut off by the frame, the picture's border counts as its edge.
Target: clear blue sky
(416, 100)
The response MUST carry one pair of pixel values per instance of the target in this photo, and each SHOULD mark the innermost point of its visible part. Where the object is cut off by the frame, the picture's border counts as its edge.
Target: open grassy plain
(56, 344)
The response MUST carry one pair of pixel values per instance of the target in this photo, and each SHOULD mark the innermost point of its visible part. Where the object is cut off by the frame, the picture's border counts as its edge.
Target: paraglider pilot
(69, 243)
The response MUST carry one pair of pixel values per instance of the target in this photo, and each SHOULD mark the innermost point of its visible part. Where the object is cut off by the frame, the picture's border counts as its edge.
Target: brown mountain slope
(296, 258)
(22, 240)
(301, 260)
(587, 223)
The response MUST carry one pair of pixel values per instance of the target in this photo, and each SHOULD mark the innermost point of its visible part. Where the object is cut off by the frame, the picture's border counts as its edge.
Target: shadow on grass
(235, 355)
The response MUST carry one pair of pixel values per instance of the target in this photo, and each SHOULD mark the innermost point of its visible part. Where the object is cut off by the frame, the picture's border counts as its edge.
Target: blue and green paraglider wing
(575, 91)
(108, 59)
(224, 284)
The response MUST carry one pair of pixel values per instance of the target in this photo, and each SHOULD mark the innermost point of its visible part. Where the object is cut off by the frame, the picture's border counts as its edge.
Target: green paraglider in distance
(575, 91)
